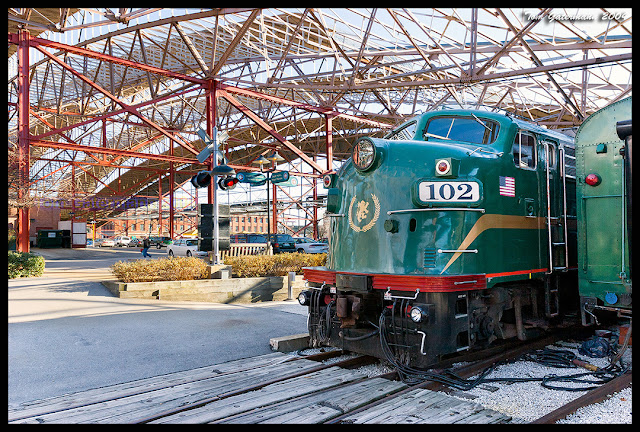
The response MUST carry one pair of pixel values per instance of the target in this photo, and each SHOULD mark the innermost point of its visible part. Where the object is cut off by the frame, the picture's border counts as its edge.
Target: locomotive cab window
(552, 154)
(524, 151)
(404, 132)
(472, 129)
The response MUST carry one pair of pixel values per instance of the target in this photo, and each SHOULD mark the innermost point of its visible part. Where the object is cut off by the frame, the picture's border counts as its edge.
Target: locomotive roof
(521, 123)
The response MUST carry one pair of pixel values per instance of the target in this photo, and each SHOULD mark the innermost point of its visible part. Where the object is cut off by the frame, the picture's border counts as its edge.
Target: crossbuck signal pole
(216, 227)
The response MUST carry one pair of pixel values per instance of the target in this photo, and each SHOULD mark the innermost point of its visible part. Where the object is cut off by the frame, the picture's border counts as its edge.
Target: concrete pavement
(68, 333)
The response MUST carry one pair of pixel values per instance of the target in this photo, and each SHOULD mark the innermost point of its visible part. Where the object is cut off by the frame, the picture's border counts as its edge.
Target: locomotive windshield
(467, 129)
(404, 132)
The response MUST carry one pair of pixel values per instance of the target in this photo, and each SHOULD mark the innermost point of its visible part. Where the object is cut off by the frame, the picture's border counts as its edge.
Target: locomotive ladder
(557, 241)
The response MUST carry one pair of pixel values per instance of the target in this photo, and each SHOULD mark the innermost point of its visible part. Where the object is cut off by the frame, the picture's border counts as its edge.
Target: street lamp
(261, 160)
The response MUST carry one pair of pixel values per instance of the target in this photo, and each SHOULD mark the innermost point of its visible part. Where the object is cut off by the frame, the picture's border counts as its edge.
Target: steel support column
(329, 137)
(22, 236)
(159, 205)
(274, 207)
(211, 114)
(171, 191)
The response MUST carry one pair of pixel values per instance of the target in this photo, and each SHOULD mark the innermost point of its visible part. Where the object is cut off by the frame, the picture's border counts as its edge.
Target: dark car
(160, 242)
(135, 242)
(282, 243)
(248, 238)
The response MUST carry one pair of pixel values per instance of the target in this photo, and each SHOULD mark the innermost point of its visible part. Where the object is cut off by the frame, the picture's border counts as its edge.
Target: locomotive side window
(552, 154)
(403, 133)
(569, 161)
(467, 129)
(524, 150)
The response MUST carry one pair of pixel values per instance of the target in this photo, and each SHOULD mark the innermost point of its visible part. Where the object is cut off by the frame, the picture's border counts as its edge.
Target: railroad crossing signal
(227, 183)
(210, 145)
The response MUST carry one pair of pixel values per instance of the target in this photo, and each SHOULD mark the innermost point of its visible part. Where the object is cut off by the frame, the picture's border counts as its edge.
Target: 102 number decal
(448, 191)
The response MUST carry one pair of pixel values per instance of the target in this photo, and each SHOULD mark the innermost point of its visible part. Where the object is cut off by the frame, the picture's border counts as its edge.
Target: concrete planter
(234, 290)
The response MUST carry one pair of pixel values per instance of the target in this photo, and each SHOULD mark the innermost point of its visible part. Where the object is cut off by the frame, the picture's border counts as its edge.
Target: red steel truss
(104, 102)
(213, 90)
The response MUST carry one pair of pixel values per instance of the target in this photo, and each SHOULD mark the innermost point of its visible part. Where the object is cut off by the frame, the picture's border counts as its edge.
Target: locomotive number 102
(448, 191)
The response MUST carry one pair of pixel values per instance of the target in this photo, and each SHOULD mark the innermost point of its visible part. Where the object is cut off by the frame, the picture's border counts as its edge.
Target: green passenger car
(604, 245)
(455, 229)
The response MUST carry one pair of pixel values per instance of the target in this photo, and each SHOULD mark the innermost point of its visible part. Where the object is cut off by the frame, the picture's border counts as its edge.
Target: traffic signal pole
(214, 183)
(212, 131)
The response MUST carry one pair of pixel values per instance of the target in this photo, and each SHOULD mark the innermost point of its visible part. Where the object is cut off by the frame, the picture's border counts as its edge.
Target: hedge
(273, 265)
(162, 269)
(22, 264)
(192, 268)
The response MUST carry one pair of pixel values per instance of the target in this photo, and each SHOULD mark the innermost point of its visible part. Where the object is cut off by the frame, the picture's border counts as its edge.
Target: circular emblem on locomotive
(363, 212)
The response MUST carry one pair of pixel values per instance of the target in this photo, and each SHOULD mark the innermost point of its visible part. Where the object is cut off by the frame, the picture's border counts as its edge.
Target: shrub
(163, 269)
(273, 265)
(22, 264)
(12, 239)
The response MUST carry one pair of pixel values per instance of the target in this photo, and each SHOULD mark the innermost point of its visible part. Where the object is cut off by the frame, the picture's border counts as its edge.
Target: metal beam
(42, 43)
(126, 107)
(377, 84)
(271, 131)
(234, 43)
(110, 151)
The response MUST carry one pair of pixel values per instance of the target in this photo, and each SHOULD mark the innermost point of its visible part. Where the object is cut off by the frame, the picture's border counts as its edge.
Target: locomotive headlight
(417, 314)
(363, 154)
(421, 313)
(303, 298)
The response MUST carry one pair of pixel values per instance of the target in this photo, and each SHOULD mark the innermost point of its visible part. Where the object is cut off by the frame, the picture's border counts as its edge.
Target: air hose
(548, 357)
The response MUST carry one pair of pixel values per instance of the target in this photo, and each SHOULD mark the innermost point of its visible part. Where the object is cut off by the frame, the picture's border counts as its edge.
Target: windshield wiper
(481, 122)
(437, 136)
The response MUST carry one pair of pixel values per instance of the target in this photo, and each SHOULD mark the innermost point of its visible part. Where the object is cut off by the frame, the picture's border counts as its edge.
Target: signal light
(592, 179)
(443, 166)
(202, 179)
(228, 183)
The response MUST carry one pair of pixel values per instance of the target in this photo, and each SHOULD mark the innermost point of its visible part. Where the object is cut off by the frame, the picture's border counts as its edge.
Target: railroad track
(284, 388)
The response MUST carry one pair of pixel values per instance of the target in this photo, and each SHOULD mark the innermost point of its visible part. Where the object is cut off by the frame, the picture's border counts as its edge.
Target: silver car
(185, 247)
(307, 245)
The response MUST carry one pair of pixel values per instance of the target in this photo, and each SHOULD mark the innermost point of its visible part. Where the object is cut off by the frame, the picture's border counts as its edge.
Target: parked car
(160, 242)
(248, 238)
(282, 243)
(135, 242)
(122, 241)
(107, 242)
(307, 245)
(185, 247)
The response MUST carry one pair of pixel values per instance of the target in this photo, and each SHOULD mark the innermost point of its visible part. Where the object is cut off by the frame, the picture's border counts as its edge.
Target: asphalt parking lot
(68, 333)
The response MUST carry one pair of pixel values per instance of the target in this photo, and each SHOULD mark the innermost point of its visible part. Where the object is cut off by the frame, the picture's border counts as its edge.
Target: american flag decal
(507, 186)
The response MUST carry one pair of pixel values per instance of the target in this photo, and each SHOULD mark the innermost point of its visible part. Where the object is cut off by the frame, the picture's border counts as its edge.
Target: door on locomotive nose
(525, 158)
(522, 191)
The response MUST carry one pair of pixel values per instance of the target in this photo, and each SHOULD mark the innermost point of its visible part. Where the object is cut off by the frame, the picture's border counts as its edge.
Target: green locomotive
(455, 229)
(603, 155)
